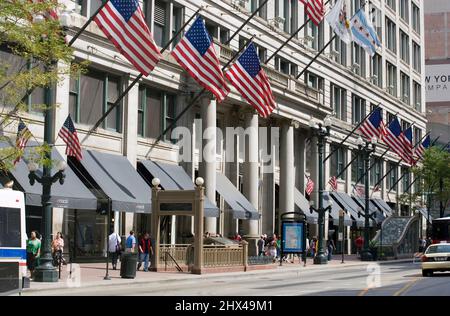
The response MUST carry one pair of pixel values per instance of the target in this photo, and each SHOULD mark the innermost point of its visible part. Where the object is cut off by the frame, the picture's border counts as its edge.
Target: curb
(285, 269)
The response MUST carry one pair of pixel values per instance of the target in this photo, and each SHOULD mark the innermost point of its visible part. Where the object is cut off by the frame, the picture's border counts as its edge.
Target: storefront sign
(293, 237)
(437, 83)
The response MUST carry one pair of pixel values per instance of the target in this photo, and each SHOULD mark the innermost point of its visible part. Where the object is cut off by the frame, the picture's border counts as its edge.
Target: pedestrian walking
(261, 243)
(312, 247)
(33, 253)
(359, 242)
(330, 247)
(145, 251)
(130, 243)
(114, 248)
(57, 248)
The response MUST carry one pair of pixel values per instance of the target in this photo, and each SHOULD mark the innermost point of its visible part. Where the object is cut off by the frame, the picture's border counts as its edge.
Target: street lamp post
(366, 148)
(321, 131)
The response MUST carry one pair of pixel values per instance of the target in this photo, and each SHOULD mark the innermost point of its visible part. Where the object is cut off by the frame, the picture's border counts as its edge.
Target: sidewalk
(92, 274)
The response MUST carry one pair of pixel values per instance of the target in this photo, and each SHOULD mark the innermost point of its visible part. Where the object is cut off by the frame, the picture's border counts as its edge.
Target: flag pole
(326, 45)
(291, 37)
(352, 131)
(85, 25)
(136, 80)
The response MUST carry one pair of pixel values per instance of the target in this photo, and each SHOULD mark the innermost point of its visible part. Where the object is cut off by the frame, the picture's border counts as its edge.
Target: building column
(207, 168)
(287, 177)
(326, 167)
(300, 161)
(269, 157)
(314, 174)
(251, 178)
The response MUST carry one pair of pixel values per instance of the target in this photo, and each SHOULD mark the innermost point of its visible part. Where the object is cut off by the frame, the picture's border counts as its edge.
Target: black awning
(303, 204)
(346, 202)
(379, 216)
(240, 206)
(335, 208)
(174, 177)
(72, 194)
(383, 206)
(117, 178)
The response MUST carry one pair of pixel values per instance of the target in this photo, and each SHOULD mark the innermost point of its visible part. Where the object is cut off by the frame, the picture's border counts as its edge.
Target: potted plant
(373, 248)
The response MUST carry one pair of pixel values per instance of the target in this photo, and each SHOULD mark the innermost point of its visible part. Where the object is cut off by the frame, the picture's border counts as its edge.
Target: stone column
(251, 178)
(314, 174)
(300, 161)
(287, 178)
(207, 168)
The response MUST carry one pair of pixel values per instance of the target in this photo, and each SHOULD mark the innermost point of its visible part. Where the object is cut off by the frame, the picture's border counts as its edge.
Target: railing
(276, 76)
(177, 252)
(219, 256)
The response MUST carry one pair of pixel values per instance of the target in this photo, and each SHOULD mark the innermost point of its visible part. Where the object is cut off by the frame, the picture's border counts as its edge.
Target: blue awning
(379, 215)
(239, 205)
(173, 177)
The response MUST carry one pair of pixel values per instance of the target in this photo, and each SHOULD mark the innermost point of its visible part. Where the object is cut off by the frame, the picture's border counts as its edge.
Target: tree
(433, 170)
(30, 49)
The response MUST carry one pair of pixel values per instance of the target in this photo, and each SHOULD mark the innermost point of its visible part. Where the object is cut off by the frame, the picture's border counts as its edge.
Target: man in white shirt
(114, 248)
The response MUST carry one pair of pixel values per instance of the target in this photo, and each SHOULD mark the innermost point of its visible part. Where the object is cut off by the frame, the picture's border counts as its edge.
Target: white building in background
(344, 83)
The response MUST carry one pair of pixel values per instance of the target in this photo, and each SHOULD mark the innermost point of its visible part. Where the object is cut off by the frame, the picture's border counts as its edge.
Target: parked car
(436, 258)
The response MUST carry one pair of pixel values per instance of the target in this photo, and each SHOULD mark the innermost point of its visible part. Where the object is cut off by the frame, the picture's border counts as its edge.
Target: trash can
(128, 265)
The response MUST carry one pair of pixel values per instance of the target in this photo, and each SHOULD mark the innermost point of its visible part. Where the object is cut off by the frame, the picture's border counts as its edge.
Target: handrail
(173, 259)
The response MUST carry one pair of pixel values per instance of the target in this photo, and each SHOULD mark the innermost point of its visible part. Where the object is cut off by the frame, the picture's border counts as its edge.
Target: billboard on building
(437, 83)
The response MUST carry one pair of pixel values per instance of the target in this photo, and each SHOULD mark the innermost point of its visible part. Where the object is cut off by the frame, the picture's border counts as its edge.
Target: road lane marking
(406, 287)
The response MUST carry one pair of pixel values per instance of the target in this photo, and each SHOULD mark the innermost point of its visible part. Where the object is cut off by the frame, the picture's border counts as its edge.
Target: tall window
(415, 18)
(316, 82)
(358, 109)
(355, 6)
(391, 4)
(393, 176)
(218, 32)
(376, 70)
(284, 66)
(389, 117)
(391, 35)
(261, 51)
(406, 179)
(404, 10)
(91, 95)
(339, 51)
(404, 87)
(88, 7)
(288, 11)
(339, 102)
(404, 47)
(391, 79)
(417, 60)
(417, 96)
(337, 163)
(358, 168)
(156, 112)
(314, 35)
(165, 15)
(405, 125)
(358, 60)
(376, 171)
(417, 135)
(376, 18)
(254, 4)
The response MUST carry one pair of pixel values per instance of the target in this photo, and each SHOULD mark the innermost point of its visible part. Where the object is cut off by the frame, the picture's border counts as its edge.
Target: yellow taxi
(436, 259)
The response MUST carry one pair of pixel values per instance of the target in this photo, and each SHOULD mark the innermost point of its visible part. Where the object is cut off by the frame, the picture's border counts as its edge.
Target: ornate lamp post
(322, 131)
(366, 148)
(46, 272)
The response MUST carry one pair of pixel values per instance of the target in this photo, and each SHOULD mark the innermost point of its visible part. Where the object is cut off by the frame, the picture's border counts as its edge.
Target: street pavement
(348, 279)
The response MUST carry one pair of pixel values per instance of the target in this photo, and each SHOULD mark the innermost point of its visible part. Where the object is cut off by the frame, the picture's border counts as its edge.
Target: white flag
(337, 18)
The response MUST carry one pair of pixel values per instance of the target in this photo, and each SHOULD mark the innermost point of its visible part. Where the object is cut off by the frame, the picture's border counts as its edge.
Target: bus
(13, 256)
(440, 230)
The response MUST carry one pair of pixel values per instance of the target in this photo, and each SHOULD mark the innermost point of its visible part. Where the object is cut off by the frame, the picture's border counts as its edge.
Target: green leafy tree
(35, 46)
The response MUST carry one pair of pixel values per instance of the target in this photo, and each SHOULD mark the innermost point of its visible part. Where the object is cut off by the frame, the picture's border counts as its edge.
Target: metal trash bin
(128, 264)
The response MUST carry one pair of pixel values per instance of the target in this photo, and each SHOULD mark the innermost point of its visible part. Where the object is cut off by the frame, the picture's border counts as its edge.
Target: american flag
(123, 23)
(23, 135)
(251, 81)
(196, 54)
(420, 150)
(69, 135)
(372, 125)
(309, 186)
(394, 139)
(408, 144)
(333, 183)
(359, 191)
(314, 9)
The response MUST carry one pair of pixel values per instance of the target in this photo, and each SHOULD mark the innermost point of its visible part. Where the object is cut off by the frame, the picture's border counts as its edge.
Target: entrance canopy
(117, 178)
(379, 215)
(383, 206)
(239, 205)
(334, 212)
(173, 177)
(347, 203)
(303, 205)
(72, 194)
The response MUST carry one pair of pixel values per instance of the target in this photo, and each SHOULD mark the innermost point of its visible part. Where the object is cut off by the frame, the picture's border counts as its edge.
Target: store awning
(173, 177)
(334, 212)
(346, 202)
(372, 209)
(424, 212)
(72, 194)
(117, 178)
(303, 204)
(381, 204)
(240, 206)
